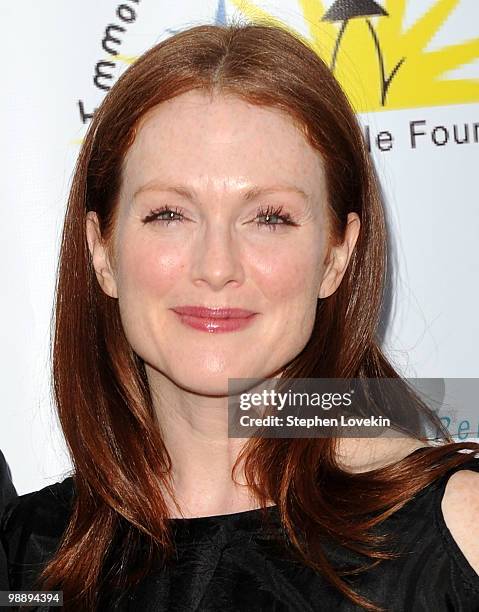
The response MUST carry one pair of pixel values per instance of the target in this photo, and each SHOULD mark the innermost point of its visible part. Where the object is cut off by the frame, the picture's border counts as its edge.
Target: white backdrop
(51, 50)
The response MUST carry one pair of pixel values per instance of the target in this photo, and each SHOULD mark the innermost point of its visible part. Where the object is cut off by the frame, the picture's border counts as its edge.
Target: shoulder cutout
(460, 508)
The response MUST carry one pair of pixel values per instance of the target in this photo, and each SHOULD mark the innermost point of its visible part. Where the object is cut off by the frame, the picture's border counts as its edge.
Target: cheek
(146, 274)
(291, 274)
(144, 268)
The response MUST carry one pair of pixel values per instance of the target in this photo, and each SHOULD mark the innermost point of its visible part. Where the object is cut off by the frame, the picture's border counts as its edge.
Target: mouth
(214, 313)
(215, 319)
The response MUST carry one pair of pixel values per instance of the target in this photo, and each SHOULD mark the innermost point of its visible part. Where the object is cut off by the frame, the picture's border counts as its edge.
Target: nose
(216, 257)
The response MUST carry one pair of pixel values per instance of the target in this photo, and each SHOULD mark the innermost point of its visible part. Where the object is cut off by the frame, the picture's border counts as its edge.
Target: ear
(339, 256)
(99, 255)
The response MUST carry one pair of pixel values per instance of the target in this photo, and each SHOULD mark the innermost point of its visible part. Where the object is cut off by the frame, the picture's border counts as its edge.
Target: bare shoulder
(460, 508)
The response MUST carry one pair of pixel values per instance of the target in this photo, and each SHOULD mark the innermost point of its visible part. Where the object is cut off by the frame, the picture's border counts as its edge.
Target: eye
(165, 213)
(272, 213)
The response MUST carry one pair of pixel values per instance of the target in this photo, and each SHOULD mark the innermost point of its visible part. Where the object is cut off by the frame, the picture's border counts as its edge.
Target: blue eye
(155, 215)
(271, 212)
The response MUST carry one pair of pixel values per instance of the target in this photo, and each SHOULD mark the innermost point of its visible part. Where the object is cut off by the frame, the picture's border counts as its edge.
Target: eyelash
(268, 212)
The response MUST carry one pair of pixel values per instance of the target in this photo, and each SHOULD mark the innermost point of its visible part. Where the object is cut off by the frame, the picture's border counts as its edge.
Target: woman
(226, 169)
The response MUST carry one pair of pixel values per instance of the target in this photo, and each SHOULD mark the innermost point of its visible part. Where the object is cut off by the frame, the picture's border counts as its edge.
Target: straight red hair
(121, 465)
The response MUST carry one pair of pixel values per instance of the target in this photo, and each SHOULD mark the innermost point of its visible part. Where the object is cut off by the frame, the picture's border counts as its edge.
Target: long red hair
(121, 464)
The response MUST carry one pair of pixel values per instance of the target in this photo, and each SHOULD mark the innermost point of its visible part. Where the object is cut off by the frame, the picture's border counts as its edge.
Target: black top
(7, 492)
(228, 563)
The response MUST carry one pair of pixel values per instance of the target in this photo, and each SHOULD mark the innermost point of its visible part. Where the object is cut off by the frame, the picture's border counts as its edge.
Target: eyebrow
(248, 195)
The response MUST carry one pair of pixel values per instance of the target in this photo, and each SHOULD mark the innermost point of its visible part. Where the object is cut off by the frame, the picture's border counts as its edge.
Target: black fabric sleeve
(7, 490)
(7, 493)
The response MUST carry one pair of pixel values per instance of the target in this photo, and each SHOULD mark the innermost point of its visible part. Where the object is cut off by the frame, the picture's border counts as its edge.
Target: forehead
(220, 139)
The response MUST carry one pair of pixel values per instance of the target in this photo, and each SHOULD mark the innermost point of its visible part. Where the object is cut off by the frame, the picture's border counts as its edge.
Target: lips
(215, 320)
(214, 313)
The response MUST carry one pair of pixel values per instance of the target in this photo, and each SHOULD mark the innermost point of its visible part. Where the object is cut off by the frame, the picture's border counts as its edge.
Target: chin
(213, 386)
(203, 381)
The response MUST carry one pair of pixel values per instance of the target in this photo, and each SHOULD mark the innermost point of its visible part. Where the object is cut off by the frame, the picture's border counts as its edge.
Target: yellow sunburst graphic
(379, 65)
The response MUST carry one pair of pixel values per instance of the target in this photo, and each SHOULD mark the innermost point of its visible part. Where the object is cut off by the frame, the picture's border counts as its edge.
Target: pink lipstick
(215, 320)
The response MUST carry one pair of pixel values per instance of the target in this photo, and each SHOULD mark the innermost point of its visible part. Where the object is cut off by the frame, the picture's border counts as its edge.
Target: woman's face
(220, 164)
